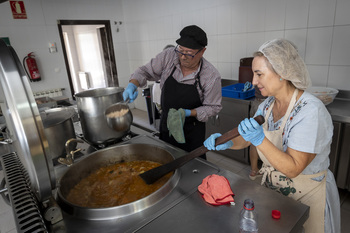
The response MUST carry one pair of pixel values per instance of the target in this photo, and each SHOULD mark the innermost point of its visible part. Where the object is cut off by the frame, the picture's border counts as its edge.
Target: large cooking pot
(91, 107)
(107, 156)
(58, 128)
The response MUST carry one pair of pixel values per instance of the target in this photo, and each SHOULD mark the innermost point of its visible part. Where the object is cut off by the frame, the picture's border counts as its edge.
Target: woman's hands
(251, 131)
(210, 143)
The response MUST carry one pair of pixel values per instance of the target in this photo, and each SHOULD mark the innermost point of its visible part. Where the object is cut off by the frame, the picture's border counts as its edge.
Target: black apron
(177, 95)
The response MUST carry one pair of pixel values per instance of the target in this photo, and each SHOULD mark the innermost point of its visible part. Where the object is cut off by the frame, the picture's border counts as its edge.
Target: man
(188, 81)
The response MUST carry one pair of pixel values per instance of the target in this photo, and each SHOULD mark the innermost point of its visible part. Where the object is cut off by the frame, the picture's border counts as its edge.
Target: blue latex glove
(210, 143)
(247, 86)
(251, 131)
(130, 92)
(187, 112)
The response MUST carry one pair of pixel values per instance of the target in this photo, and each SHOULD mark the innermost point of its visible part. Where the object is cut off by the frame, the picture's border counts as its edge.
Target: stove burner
(88, 148)
(110, 142)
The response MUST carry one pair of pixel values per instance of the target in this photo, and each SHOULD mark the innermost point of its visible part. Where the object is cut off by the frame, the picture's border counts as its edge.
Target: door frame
(112, 76)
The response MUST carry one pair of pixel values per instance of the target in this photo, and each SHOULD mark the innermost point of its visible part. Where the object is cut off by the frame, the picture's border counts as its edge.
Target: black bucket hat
(192, 37)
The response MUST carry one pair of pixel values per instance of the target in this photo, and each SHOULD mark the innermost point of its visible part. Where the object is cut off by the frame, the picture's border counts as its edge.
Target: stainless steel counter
(194, 215)
(340, 110)
(184, 210)
(340, 150)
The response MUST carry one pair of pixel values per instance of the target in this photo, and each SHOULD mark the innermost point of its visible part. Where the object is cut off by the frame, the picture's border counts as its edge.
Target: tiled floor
(7, 223)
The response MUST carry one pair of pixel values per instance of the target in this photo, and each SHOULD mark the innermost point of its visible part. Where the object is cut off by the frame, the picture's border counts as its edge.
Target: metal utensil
(119, 116)
(154, 174)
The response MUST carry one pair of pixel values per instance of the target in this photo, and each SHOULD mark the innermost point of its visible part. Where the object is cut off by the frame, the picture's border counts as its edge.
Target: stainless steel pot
(107, 156)
(58, 128)
(91, 107)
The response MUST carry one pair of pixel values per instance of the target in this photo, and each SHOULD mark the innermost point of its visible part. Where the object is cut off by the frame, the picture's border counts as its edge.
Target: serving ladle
(119, 116)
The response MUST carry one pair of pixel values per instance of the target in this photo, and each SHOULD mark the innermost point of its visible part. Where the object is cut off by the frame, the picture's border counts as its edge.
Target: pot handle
(69, 160)
(67, 146)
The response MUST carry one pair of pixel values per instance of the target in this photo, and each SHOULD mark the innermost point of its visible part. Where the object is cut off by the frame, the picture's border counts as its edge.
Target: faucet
(69, 159)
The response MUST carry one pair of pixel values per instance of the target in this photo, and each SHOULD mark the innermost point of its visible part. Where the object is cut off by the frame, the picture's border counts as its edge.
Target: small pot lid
(56, 116)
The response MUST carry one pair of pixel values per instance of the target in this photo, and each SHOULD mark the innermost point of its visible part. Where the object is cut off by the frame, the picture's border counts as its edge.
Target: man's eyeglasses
(186, 54)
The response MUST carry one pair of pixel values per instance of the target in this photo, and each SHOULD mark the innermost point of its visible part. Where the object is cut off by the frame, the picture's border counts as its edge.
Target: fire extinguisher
(33, 74)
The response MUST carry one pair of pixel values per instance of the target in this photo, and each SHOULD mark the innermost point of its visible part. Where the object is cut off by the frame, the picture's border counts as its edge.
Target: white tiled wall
(342, 12)
(340, 47)
(296, 14)
(320, 29)
(321, 13)
(275, 11)
(235, 29)
(319, 43)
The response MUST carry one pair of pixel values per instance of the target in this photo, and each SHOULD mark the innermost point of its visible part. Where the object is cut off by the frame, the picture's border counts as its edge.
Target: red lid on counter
(276, 214)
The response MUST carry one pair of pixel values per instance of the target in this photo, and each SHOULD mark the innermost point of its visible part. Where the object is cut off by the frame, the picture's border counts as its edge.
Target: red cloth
(216, 190)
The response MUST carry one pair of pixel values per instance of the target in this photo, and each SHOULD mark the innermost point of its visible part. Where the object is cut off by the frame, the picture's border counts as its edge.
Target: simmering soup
(115, 185)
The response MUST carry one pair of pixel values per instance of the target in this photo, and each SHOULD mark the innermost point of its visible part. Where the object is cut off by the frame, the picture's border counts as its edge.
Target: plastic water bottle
(248, 222)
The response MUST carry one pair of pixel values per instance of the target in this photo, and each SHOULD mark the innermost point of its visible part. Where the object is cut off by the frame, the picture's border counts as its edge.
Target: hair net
(284, 58)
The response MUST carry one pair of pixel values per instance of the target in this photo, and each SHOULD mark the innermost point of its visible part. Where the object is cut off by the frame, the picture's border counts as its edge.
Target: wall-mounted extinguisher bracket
(31, 68)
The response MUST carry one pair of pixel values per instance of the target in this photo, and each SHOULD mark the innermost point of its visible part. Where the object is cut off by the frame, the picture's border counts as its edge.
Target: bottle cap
(248, 204)
(276, 214)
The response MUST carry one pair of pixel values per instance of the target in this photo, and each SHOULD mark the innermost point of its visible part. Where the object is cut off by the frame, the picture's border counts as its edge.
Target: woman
(294, 142)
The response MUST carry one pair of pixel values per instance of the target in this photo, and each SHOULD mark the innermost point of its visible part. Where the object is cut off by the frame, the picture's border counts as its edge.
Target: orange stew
(114, 185)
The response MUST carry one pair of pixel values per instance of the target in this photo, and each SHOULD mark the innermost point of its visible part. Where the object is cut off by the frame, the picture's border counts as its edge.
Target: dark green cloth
(175, 123)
